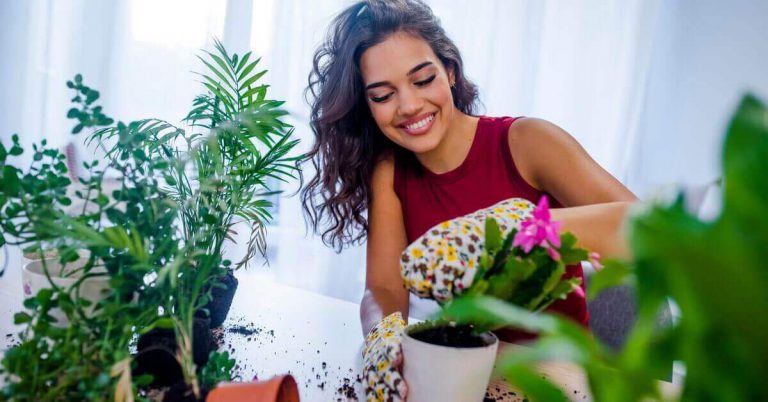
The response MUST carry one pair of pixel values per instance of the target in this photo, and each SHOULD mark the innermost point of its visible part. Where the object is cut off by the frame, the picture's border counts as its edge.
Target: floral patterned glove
(443, 261)
(383, 359)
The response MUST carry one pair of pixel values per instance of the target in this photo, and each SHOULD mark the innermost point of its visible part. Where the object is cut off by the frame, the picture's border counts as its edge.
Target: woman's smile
(418, 125)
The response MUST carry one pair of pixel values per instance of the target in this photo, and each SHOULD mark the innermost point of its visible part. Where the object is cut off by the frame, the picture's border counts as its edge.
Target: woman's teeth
(420, 124)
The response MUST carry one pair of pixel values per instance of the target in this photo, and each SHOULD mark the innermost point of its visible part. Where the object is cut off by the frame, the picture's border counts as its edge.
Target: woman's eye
(379, 99)
(427, 81)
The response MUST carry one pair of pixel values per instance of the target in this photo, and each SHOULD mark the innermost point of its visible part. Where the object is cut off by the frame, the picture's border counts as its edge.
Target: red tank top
(487, 176)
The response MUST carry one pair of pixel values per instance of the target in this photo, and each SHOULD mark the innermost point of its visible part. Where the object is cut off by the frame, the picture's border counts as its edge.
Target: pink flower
(594, 259)
(540, 230)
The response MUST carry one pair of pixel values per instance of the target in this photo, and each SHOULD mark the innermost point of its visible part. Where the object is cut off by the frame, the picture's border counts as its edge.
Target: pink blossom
(594, 259)
(540, 230)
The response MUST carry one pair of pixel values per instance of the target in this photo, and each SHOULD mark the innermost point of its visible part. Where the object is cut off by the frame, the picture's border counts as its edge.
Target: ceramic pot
(278, 389)
(93, 289)
(447, 373)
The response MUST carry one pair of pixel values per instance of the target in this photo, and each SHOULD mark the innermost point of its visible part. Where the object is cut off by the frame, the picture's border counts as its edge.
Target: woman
(397, 137)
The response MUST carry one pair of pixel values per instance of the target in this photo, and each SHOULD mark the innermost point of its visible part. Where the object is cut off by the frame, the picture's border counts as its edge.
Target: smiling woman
(399, 150)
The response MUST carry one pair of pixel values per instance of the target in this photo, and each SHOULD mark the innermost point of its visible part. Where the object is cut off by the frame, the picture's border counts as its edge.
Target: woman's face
(408, 91)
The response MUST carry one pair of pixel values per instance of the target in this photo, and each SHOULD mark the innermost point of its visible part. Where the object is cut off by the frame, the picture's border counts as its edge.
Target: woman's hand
(443, 261)
(383, 360)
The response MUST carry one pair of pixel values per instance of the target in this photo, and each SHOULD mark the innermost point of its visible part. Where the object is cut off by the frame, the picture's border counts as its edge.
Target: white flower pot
(92, 289)
(447, 374)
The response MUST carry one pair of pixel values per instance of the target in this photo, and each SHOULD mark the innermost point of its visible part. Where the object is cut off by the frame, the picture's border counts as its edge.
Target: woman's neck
(454, 147)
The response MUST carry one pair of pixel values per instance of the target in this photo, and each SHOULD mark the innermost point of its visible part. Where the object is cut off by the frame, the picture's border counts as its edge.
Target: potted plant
(94, 346)
(452, 361)
(714, 271)
(159, 237)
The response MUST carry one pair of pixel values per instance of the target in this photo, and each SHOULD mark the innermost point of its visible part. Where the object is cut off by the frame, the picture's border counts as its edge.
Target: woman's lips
(421, 126)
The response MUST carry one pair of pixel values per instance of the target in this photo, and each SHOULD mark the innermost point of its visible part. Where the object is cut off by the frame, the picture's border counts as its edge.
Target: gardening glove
(442, 262)
(383, 359)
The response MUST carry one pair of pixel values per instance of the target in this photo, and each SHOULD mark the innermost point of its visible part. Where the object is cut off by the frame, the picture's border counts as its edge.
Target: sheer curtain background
(645, 86)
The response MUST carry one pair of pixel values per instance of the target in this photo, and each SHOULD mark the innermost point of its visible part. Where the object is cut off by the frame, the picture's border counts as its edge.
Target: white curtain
(580, 64)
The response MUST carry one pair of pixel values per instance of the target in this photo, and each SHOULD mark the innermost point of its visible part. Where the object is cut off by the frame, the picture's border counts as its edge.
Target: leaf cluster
(530, 280)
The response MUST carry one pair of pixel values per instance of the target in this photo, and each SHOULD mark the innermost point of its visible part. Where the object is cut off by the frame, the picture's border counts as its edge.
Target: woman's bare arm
(595, 202)
(384, 290)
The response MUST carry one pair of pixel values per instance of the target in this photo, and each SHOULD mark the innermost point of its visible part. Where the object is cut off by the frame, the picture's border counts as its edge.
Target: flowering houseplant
(512, 252)
(526, 266)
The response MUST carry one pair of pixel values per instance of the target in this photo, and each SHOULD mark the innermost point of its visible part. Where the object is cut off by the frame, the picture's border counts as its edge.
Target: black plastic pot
(181, 392)
(156, 352)
(221, 299)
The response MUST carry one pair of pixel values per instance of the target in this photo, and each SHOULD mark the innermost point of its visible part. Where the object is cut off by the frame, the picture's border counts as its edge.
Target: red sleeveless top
(487, 176)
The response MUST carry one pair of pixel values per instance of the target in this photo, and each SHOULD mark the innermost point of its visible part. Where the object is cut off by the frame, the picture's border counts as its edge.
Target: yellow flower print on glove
(443, 261)
(383, 359)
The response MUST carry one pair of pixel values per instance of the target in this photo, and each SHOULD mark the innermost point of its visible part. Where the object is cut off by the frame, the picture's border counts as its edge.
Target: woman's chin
(421, 144)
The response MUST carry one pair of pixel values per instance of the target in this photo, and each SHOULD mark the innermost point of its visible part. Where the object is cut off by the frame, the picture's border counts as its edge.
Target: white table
(274, 329)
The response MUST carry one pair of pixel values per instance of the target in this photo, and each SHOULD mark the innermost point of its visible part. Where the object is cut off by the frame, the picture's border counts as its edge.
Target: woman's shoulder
(531, 133)
(537, 143)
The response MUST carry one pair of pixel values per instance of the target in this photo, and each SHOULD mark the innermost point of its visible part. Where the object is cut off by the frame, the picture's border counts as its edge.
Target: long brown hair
(348, 141)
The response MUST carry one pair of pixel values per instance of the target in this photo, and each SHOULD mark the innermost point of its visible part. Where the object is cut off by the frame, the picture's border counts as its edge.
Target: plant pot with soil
(157, 351)
(221, 295)
(447, 362)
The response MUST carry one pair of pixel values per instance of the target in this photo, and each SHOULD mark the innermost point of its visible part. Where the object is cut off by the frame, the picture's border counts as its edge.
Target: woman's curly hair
(348, 142)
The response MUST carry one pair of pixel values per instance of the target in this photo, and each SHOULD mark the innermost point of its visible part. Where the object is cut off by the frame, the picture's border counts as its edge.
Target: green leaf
(44, 296)
(248, 69)
(223, 65)
(16, 150)
(11, 184)
(21, 318)
(218, 74)
(243, 62)
(252, 80)
(492, 236)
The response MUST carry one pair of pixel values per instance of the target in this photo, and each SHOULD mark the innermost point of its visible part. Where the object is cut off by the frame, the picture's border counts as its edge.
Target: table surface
(274, 329)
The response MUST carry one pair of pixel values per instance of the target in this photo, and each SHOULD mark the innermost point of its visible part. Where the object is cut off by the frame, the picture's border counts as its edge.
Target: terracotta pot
(278, 389)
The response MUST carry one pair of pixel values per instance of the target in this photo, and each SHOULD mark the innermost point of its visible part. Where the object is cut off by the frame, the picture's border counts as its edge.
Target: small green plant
(715, 272)
(218, 369)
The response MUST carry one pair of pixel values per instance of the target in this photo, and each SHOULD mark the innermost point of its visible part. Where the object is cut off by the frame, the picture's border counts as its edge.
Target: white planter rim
(488, 337)
(36, 269)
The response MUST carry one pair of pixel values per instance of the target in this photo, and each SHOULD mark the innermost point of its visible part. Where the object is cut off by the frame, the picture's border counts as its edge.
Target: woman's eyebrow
(410, 72)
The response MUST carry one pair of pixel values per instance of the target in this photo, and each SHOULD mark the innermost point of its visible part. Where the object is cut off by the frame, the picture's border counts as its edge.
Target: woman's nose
(410, 103)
